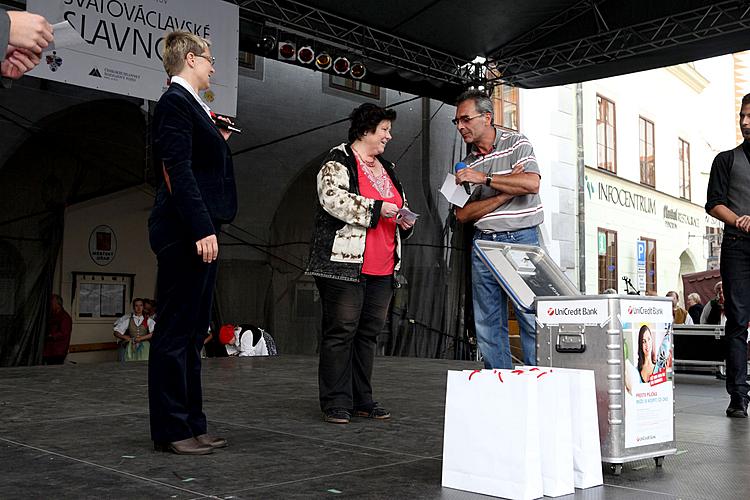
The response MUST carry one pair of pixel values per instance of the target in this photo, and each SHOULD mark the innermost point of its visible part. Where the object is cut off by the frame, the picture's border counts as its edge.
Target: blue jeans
(491, 307)
(735, 277)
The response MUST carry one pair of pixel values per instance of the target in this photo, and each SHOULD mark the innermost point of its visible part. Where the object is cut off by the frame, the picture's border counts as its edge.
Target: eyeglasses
(210, 59)
(465, 119)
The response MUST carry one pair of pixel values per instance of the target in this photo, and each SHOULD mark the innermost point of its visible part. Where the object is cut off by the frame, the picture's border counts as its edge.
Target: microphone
(460, 165)
(225, 125)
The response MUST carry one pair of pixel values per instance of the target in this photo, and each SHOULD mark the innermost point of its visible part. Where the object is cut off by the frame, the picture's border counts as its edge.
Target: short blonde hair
(177, 45)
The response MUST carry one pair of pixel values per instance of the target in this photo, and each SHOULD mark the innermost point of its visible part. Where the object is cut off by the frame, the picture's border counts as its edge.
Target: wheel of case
(659, 461)
(616, 469)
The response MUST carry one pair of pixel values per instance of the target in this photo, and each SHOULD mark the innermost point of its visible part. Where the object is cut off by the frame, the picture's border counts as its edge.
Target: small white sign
(583, 312)
(102, 245)
(652, 311)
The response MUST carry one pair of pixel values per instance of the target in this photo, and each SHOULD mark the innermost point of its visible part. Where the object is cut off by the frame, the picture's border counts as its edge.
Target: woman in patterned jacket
(355, 250)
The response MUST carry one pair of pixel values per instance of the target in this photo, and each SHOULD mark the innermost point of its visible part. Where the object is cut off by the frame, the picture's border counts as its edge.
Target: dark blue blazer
(197, 192)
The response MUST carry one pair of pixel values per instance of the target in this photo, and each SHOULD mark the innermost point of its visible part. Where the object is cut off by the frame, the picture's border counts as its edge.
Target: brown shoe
(189, 446)
(212, 441)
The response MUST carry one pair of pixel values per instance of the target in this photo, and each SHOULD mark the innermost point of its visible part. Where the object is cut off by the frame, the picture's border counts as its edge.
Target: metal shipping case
(603, 333)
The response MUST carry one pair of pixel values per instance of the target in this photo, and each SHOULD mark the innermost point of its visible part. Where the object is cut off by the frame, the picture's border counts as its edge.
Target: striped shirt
(510, 149)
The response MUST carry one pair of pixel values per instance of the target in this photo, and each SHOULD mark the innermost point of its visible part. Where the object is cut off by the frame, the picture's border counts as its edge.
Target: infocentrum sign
(621, 196)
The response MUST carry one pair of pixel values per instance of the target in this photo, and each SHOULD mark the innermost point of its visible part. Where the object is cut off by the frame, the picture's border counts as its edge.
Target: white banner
(561, 312)
(646, 310)
(649, 389)
(124, 40)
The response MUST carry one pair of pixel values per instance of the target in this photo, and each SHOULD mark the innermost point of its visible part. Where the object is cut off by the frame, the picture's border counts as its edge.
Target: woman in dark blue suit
(196, 196)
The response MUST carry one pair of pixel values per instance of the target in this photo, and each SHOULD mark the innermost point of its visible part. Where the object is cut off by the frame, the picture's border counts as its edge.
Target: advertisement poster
(123, 42)
(649, 383)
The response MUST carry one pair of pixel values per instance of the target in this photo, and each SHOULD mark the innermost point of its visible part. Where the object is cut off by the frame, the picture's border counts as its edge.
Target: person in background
(695, 307)
(149, 309)
(713, 312)
(680, 316)
(57, 342)
(134, 332)
(247, 340)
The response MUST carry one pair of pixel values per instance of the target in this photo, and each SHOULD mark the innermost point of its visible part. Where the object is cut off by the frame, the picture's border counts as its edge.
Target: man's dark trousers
(735, 277)
(184, 294)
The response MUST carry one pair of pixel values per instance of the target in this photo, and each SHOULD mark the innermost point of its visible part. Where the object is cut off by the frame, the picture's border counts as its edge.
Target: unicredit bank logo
(641, 310)
(572, 311)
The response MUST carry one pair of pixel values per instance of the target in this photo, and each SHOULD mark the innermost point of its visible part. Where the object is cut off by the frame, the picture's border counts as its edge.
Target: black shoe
(737, 409)
(373, 411)
(337, 416)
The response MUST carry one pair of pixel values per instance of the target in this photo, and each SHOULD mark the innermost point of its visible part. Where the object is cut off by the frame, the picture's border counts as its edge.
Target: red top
(380, 243)
(58, 334)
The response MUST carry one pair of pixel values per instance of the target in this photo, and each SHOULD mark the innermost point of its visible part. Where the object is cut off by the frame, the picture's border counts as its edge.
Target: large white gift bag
(491, 437)
(555, 431)
(587, 452)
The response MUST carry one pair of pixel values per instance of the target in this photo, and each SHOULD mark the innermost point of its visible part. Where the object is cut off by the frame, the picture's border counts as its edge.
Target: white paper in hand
(406, 215)
(65, 36)
(454, 193)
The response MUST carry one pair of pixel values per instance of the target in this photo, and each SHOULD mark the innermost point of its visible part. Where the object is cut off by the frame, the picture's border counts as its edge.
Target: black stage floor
(81, 431)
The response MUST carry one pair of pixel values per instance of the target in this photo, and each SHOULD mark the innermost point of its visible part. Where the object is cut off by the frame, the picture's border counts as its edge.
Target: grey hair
(694, 297)
(482, 102)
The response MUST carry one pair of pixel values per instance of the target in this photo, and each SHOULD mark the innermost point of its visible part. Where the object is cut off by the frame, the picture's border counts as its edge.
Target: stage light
(267, 44)
(306, 55)
(341, 65)
(358, 70)
(287, 51)
(323, 61)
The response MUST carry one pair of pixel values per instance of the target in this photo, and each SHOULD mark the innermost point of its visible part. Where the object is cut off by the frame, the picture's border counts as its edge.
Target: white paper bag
(491, 437)
(555, 431)
(587, 452)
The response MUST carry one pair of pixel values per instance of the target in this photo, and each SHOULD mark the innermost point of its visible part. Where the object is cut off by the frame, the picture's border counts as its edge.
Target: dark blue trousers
(184, 294)
(735, 277)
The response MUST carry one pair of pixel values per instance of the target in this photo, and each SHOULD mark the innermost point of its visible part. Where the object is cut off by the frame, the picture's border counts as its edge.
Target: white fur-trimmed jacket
(343, 216)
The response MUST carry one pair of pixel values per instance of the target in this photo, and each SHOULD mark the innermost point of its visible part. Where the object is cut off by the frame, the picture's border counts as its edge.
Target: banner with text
(649, 387)
(124, 41)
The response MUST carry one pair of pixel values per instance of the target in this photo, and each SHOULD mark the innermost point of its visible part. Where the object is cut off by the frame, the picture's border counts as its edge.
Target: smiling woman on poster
(646, 353)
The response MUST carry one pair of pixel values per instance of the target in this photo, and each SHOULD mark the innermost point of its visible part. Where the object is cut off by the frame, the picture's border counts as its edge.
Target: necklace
(370, 163)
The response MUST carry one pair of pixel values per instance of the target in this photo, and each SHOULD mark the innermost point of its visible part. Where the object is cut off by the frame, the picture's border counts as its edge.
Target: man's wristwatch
(488, 180)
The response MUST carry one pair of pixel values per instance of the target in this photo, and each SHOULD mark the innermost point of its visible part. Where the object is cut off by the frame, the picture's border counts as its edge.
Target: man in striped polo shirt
(505, 206)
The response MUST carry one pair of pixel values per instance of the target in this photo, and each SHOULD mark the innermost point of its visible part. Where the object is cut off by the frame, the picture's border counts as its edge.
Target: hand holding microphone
(460, 166)
(225, 123)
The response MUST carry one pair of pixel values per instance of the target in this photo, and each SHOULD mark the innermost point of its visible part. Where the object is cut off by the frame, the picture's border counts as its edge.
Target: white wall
(704, 117)
(126, 212)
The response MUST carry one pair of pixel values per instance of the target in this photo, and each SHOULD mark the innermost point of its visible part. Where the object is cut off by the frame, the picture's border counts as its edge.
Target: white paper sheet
(65, 36)
(406, 215)
(454, 193)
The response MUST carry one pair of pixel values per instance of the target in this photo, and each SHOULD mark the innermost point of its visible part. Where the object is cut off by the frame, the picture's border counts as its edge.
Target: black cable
(419, 134)
(319, 127)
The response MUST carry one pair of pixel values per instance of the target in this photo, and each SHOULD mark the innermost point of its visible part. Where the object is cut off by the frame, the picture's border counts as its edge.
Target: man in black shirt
(728, 199)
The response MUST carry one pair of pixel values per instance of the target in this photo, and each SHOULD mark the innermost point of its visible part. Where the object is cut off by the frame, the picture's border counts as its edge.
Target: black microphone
(465, 184)
(224, 124)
